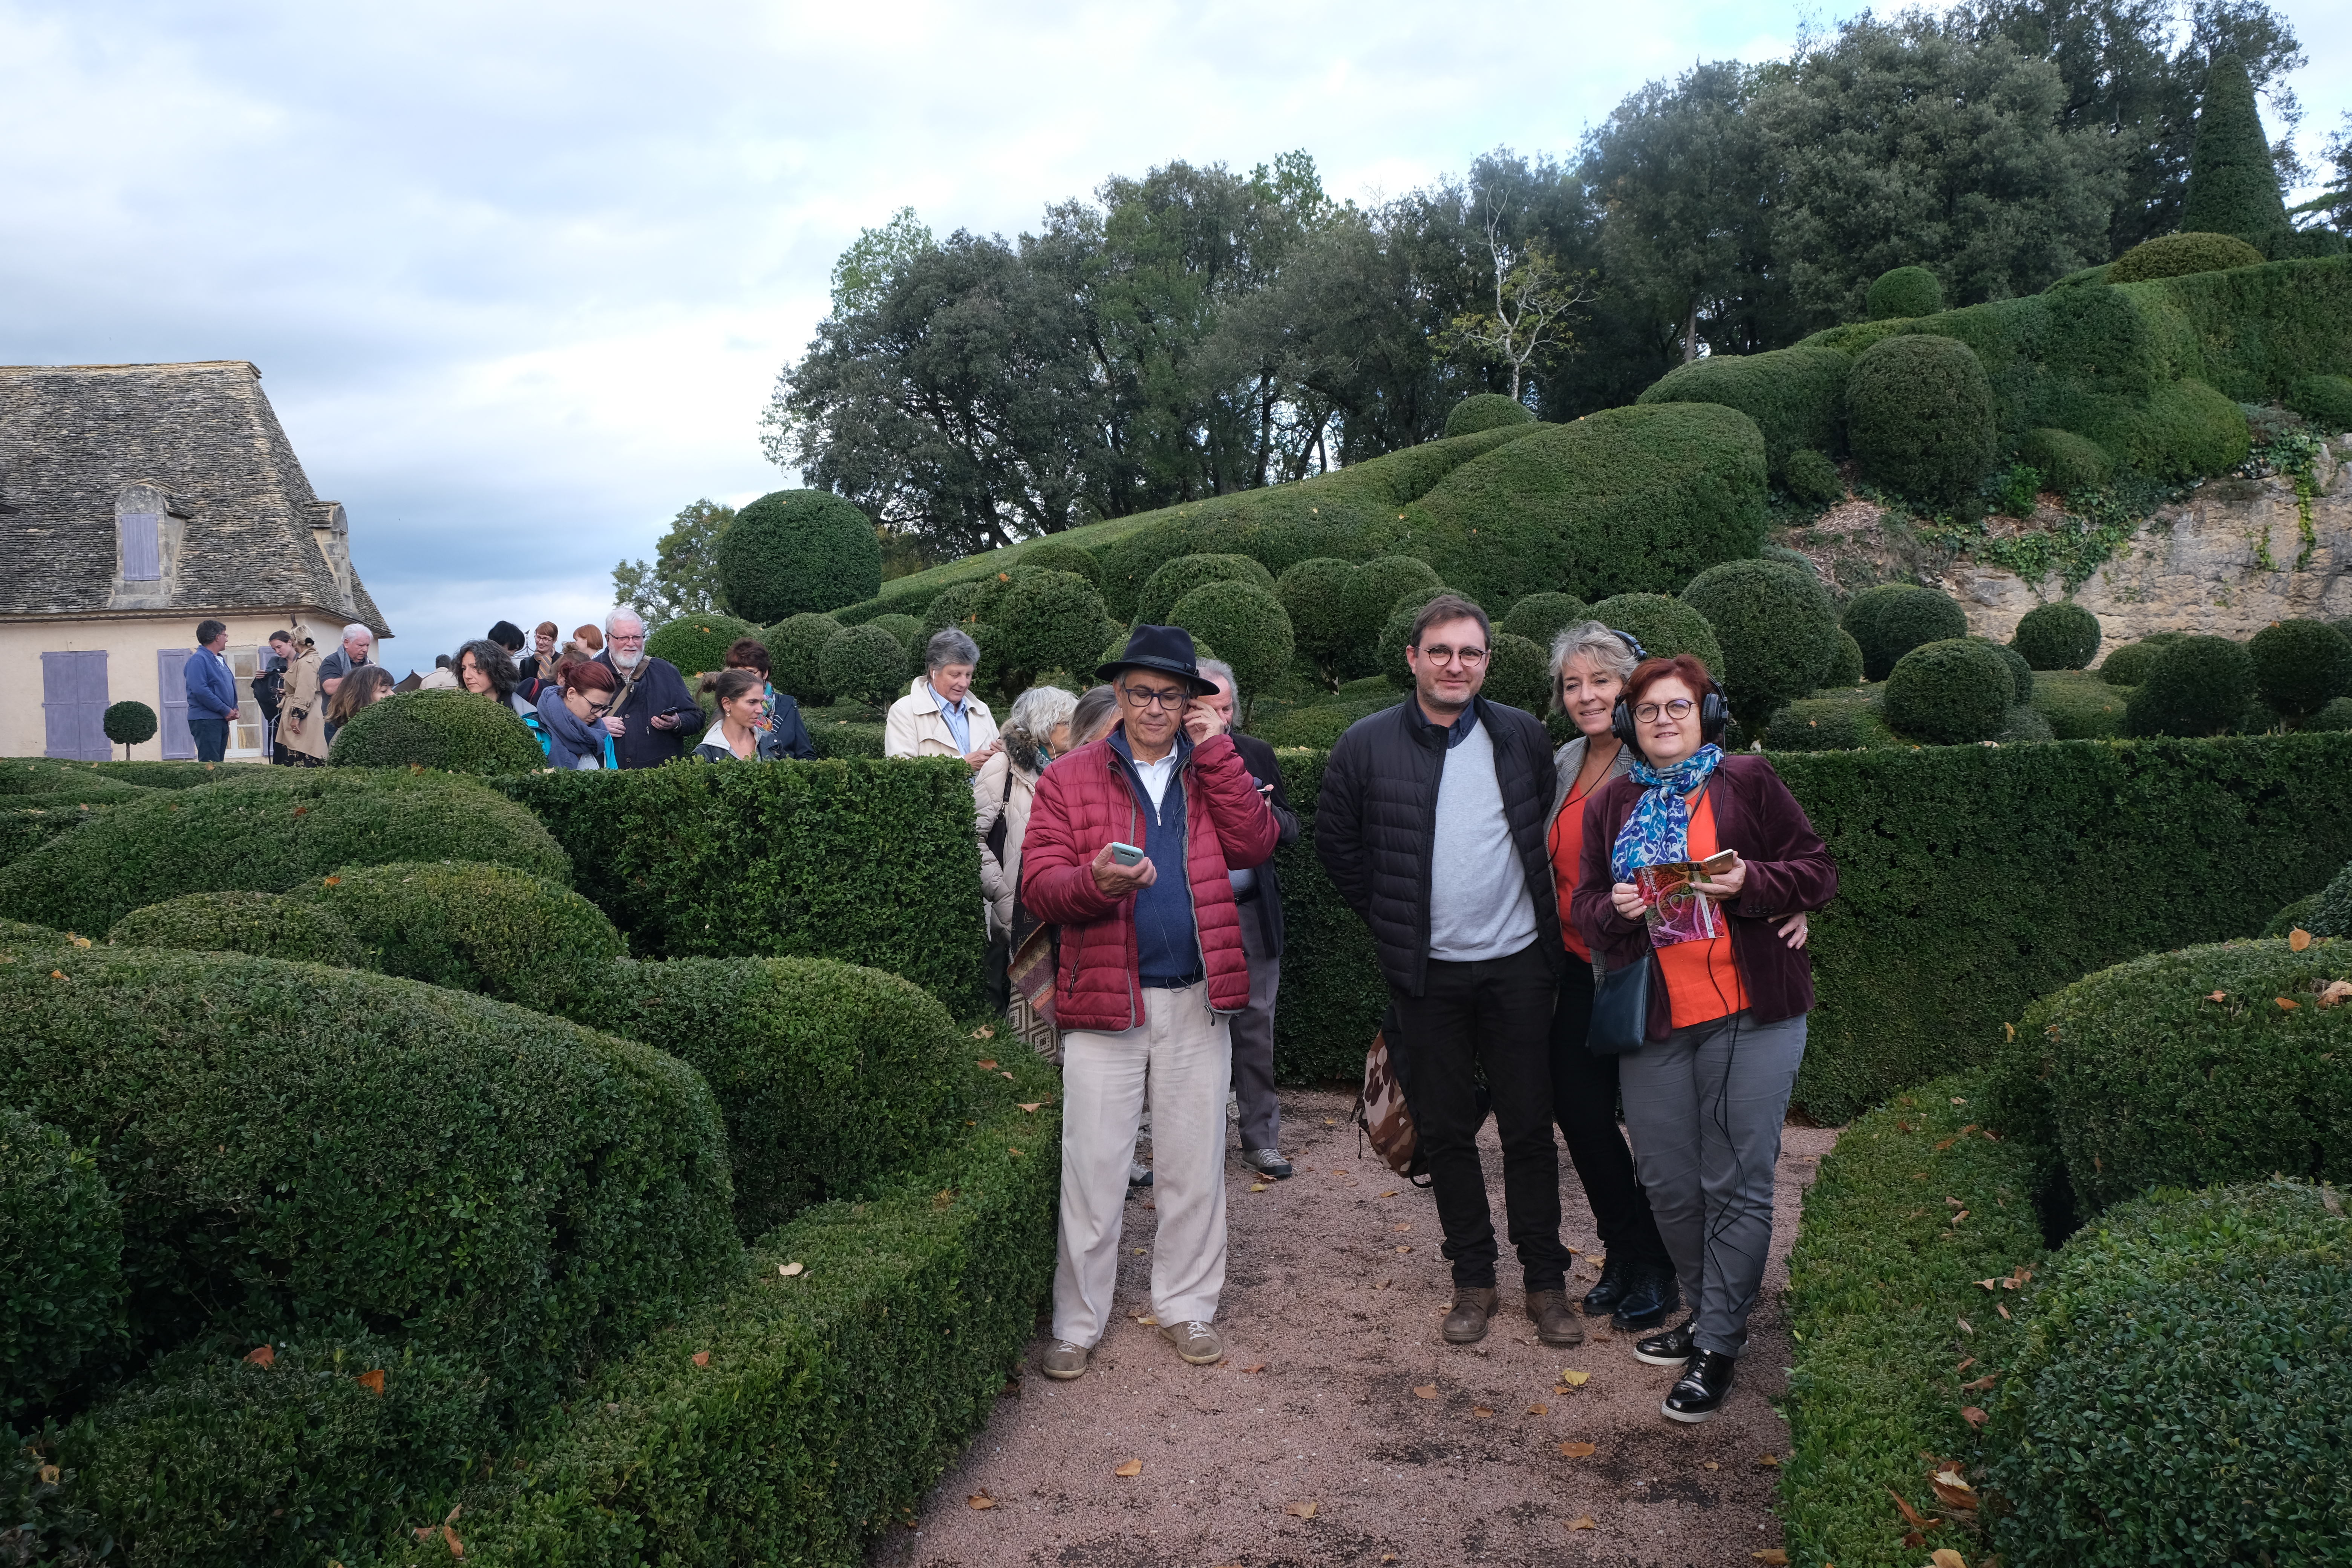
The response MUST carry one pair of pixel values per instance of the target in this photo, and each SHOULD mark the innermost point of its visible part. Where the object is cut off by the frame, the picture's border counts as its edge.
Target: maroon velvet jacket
(1789, 871)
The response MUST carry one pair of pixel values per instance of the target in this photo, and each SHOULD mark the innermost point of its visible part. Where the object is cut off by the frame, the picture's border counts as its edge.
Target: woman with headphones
(1723, 1029)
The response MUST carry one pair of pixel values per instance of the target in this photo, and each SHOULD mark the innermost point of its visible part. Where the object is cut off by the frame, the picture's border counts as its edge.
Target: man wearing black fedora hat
(1131, 842)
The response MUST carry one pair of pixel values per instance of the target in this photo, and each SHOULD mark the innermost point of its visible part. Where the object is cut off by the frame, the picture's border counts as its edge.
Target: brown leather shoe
(1555, 1323)
(1473, 1305)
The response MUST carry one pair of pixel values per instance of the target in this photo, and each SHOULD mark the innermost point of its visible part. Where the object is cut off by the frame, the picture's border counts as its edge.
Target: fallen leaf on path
(2297, 939)
(1032, 1107)
(1577, 1450)
(1006, 1075)
(1582, 1521)
(2003, 1312)
(1951, 1489)
(702, 1357)
(988, 1066)
(1403, 1249)
(791, 1270)
(1980, 1385)
(1130, 1469)
(1257, 1186)
(1965, 1327)
(1259, 1367)
(1769, 1461)
(1481, 1411)
(1426, 1390)
(1407, 1226)
(1944, 1557)
(2217, 995)
(1772, 1555)
(1302, 1510)
(1147, 1319)
(1575, 1379)
(2336, 991)
(1383, 1284)
(1911, 1515)
(981, 1500)
(1709, 1465)
(1538, 1409)
(1391, 1192)
(372, 1381)
(2285, 1005)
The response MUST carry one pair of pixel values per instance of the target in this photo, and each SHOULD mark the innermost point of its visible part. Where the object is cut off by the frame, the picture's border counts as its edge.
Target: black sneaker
(1701, 1390)
(1652, 1296)
(1672, 1348)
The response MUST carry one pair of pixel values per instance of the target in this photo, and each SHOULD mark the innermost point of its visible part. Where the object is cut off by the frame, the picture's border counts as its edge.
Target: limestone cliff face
(2199, 567)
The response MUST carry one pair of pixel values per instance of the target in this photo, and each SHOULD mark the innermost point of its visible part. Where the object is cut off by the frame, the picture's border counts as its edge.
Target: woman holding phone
(1706, 1091)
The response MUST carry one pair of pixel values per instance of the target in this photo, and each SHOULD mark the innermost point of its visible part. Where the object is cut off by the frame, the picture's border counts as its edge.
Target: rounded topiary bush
(1487, 411)
(2296, 916)
(1062, 555)
(2325, 400)
(1845, 670)
(1375, 588)
(906, 628)
(1517, 674)
(1664, 628)
(1902, 292)
(2195, 686)
(1777, 627)
(1891, 619)
(2067, 463)
(2336, 715)
(1795, 395)
(796, 656)
(2300, 666)
(215, 1459)
(267, 834)
(468, 926)
(2331, 910)
(862, 664)
(697, 645)
(828, 1076)
(2062, 634)
(1186, 572)
(963, 605)
(1814, 479)
(2021, 674)
(1827, 724)
(796, 551)
(1920, 417)
(1540, 618)
(2176, 254)
(1245, 624)
(1044, 621)
(1949, 693)
(2176, 1396)
(61, 1287)
(1314, 593)
(455, 732)
(129, 723)
(2129, 665)
(267, 925)
(498, 1184)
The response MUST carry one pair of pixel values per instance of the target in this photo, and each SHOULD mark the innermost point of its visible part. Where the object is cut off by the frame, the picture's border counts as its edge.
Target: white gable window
(140, 535)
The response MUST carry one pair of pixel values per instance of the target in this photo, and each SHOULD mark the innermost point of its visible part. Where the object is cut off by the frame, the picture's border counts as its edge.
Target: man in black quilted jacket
(1431, 825)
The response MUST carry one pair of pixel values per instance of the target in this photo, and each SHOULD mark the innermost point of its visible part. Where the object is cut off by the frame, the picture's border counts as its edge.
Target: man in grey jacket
(1430, 824)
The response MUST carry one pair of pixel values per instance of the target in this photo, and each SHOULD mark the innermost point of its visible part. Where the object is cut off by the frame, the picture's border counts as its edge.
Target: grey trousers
(1254, 1041)
(1704, 1106)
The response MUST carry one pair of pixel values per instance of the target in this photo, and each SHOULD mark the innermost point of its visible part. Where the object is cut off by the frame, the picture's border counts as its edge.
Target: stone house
(136, 500)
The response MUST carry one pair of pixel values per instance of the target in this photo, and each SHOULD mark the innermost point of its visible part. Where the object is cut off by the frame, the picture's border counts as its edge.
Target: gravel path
(1340, 1429)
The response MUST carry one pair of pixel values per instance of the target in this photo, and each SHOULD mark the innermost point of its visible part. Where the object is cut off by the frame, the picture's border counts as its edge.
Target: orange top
(1568, 861)
(1702, 978)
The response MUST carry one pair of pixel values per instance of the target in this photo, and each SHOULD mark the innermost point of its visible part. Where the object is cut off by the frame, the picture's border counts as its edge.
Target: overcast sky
(520, 278)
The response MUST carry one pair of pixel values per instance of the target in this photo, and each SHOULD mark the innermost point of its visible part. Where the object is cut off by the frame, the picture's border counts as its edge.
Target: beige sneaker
(1196, 1343)
(1063, 1361)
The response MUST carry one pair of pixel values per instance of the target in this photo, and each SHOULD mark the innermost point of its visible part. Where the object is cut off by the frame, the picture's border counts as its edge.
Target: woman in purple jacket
(1706, 1095)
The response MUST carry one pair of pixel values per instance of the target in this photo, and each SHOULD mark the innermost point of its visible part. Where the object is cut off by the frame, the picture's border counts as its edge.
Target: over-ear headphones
(1714, 712)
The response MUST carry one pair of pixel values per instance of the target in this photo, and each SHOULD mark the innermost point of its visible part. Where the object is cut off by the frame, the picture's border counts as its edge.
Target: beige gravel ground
(1336, 1391)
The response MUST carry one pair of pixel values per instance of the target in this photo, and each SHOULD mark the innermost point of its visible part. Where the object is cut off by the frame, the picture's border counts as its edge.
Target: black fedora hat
(1169, 650)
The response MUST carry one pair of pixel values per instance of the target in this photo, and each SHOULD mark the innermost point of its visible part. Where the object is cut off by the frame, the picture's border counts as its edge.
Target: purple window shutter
(143, 550)
(172, 683)
(96, 747)
(73, 705)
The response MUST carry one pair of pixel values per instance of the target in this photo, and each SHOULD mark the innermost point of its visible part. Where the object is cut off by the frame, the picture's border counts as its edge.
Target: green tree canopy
(683, 577)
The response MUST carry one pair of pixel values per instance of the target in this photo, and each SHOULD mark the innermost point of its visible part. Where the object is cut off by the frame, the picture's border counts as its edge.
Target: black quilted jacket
(1378, 815)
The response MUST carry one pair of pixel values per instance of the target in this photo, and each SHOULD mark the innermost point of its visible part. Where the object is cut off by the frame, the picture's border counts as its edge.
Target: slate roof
(72, 438)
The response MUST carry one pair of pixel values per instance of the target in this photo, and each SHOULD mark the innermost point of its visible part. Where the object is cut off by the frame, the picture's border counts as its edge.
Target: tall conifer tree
(2233, 183)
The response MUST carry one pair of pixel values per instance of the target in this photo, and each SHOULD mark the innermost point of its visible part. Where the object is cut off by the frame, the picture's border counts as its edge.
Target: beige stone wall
(2198, 566)
(131, 646)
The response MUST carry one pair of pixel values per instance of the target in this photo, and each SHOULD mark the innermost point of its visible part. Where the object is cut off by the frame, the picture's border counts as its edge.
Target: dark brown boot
(1555, 1323)
(1473, 1305)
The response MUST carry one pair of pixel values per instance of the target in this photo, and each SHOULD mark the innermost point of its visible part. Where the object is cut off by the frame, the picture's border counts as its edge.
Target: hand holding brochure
(1676, 911)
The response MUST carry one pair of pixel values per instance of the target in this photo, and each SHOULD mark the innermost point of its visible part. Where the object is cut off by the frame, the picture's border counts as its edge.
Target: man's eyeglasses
(1145, 698)
(1679, 708)
(1469, 658)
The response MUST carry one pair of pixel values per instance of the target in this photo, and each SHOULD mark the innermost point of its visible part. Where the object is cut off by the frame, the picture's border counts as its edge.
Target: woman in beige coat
(302, 721)
(1035, 732)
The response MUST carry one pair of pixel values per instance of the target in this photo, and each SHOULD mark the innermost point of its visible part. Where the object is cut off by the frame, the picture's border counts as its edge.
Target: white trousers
(1183, 1055)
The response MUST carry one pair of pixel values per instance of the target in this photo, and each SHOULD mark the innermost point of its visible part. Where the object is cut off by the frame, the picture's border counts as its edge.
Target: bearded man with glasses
(1432, 826)
(1151, 970)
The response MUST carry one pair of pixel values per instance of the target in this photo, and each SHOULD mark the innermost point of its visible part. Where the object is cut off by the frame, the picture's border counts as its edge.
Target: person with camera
(1721, 1029)
(302, 723)
(268, 686)
(1130, 845)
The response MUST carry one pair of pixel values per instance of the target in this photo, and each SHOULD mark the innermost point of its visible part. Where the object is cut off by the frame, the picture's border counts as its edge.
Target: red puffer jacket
(1084, 801)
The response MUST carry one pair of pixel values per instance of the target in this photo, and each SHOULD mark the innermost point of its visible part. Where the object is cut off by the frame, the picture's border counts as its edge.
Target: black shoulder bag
(1621, 1009)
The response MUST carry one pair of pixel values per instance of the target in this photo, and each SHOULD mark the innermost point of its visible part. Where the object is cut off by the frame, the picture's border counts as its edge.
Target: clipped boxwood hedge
(2300, 666)
(1797, 397)
(1845, 670)
(1046, 621)
(455, 732)
(1880, 1279)
(791, 1417)
(2078, 705)
(29, 821)
(865, 665)
(1314, 595)
(1891, 619)
(293, 1144)
(1245, 624)
(2325, 400)
(1487, 411)
(828, 1076)
(46, 779)
(266, 832)
(472, 926)
(60, 1264)
(1637, 500)
(2194, 686)
(1950, 693)
(1921, 416)
(697, 645)
(2060, 634)
(1054, 554)
(1839, 723)
(1664, 628)
(1901, 293)
(1540, 618)
(2129, 665)
(799, 859)
(2136, 1077)
(1179, 577)
(1777, 627)
(792, 552)
(2178, 1396)
(1812, 477)
(1517, 674)
(1370, 595)
(796, 655)
(2171, 255)
(215, 1461)
(266, 925)
(2066, 462)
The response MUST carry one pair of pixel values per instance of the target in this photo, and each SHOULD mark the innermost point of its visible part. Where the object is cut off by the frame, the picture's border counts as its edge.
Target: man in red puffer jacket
(1151, 968)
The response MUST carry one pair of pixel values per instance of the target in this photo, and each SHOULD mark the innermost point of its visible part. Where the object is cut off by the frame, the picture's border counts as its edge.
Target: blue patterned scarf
(1658, 833)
